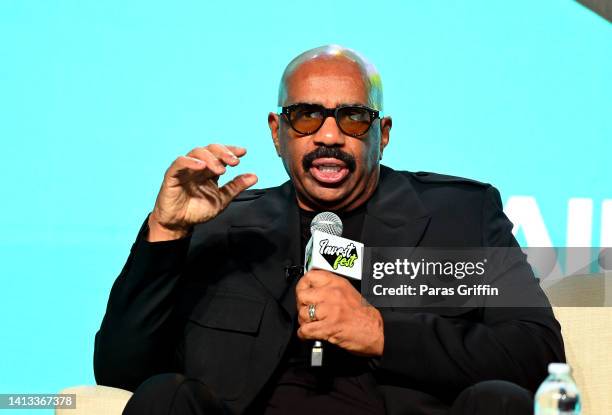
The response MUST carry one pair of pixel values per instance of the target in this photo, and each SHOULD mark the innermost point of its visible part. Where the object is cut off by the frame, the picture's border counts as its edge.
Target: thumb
(235, 186)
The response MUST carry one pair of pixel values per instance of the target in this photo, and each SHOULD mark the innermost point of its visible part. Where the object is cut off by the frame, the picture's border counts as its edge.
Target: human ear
(274, 124)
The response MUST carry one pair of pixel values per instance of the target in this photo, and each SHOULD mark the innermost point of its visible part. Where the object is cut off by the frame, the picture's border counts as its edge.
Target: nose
(329, 134)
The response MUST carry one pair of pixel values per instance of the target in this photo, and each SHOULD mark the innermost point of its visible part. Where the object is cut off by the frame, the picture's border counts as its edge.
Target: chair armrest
(96, 400)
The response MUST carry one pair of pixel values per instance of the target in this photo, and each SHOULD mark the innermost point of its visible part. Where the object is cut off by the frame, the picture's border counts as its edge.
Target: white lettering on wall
(579, 222)
(524, 213)
(579, 232)
(606, 223)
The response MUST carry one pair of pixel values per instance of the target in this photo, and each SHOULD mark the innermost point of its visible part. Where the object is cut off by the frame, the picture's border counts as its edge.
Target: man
(210, 313)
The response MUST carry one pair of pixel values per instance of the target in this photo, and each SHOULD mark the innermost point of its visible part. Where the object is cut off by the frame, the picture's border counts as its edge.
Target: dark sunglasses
(306, 119)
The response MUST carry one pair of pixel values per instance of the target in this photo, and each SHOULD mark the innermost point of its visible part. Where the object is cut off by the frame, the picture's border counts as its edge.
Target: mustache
(329, 152)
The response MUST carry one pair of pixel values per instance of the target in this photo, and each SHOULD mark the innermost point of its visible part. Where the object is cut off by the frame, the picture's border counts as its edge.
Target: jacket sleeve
(138, 333)
(448, 354)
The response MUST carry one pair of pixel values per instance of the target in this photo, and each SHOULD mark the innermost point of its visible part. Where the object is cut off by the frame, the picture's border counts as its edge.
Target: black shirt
(344, 384)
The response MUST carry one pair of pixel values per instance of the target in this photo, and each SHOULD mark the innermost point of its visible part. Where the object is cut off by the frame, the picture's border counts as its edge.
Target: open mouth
(329, 170)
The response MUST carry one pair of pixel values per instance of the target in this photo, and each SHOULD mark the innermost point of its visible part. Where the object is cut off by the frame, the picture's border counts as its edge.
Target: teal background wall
(97, 98)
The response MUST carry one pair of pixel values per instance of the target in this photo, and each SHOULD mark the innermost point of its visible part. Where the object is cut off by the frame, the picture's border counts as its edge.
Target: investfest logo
(338, 256)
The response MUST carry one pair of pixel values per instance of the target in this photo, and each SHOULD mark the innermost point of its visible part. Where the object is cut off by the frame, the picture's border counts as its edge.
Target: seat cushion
(96, 400)
(587, 333)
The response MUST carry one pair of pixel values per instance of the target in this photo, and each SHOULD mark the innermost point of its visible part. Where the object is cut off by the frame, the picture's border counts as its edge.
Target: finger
(308, 296)
(214, 164)
(318, 278)
(313, 278)
(236, 150)
(224, 154)
(185, 163)
(320, 313)
(302, 284)
(316, 330)
(235, 186)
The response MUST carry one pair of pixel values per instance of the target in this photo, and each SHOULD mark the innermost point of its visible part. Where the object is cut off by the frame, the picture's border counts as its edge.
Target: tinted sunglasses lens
(306, 119)
(354, 120)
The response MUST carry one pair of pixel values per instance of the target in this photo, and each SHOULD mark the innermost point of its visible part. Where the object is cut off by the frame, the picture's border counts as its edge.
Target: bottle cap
(558, 368)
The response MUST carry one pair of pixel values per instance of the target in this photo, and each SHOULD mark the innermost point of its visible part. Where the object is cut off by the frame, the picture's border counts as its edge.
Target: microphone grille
(327, 222)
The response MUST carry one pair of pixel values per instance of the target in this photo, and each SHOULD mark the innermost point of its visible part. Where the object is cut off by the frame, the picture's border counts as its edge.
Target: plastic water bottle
(558, 394)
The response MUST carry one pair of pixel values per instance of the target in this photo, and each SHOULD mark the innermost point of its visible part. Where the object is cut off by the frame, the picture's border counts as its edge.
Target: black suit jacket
(219, 305)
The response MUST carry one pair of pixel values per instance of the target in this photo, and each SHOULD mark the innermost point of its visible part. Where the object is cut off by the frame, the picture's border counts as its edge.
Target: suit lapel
(268, 240)
(395, 215)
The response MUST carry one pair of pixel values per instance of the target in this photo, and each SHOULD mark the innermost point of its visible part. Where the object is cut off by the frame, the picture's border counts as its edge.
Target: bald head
(334, 55)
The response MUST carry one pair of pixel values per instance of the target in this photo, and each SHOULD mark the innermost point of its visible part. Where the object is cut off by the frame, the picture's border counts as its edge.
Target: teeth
(329, 168)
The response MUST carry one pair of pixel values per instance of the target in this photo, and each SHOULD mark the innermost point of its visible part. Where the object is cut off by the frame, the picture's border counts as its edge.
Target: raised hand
(190, 193)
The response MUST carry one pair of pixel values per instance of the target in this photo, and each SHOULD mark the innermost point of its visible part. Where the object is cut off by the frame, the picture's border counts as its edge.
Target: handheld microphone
(327, 250)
